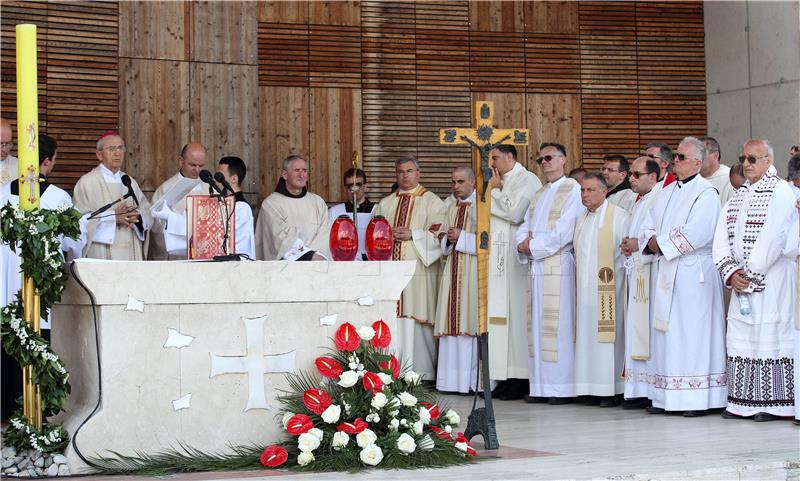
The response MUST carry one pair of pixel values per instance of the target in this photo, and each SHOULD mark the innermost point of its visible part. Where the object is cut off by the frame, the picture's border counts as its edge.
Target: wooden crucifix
(483, 137)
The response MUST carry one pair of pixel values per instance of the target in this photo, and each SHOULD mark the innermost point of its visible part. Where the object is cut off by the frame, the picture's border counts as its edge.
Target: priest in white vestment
(688, 337)
(293, 222)
(615, 171)
(640, 276)
(600, 308)
(512, 188)
(417, 216)
(119, 232)
(355, 181)
(545, 241)
(9, 165)
(456, 324)
(171, 222)
(716, 173)
(756, 230)
(794, 183)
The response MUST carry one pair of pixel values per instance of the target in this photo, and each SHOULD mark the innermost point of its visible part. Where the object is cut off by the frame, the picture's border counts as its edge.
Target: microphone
(220, 178)
(206, 177)
(126, 181)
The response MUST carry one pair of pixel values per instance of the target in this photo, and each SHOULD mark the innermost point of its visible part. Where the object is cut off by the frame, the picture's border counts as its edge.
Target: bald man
(8, 163)
(172, 221)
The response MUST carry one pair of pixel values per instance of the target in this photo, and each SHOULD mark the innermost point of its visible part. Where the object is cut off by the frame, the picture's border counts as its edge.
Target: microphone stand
(108, 206)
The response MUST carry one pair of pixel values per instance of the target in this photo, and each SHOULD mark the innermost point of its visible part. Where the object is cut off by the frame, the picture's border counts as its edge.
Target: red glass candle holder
(379, 239)
(343, 239)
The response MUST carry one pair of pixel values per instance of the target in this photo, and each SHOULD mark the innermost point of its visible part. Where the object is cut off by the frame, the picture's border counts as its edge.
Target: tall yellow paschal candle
(27, 117)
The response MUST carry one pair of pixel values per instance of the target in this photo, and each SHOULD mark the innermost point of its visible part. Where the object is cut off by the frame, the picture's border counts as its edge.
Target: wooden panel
(225, 114)
(551, 17)
(388, 45)
(154, 30)
(496, 16)
(497, 62)
(335, 121)
(337, 12)
(334, 56)
(552, 63)
(442, 45)
(283, 54)
(154, 117)
(554, 118)
(509, 113)
(435, 110)
(220, 32)
(287, 11)
(284, 129)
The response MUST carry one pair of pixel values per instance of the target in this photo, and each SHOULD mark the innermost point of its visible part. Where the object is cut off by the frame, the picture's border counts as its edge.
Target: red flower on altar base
(433, 409)
(273, 456)
(439, 432)
(391, 365)
(372, 382)
(299, 424)
(383, 337)
(347, 338)
(316, 400)
(328, 367)
(353, 427)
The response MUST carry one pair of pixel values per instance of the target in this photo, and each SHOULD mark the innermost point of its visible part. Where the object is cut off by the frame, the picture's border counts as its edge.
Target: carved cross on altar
(254, 363)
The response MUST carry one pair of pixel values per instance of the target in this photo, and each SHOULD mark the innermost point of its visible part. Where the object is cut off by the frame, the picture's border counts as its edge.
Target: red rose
(346, 338)
(273, 456)
(354, 427)
(433, 409)
(316, 400)
(383, 337)
(372, 382)
(328, 367)
(391, 365)
(439, 432)
(299, 424)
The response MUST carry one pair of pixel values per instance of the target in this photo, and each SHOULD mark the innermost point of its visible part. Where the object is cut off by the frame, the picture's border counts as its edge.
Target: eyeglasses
(406, 172)
(683, 157)
(6, 144)
(357, 184)
(547, 158)
(652, 156)
(115, 148)
(751, 158)
(640, 174)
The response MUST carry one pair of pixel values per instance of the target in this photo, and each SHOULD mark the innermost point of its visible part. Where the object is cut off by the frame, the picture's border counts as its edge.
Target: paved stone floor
(582, 442)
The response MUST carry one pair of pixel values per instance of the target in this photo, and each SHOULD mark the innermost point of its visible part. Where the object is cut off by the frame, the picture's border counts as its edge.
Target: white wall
(753, 75)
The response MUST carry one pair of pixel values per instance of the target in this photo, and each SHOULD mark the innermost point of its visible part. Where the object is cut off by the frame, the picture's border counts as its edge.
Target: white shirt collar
(470, 199)
(111, 177)
(512, 172)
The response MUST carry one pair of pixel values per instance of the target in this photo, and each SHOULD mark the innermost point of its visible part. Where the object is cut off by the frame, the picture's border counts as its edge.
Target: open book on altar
(210, 225)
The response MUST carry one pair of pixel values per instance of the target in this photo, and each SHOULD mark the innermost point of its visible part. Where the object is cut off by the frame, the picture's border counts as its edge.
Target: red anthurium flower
(299, 424)
(372, 382)
(460, 438)
(391, 365)
(316, 400)
(432, 408)
(273, 456)
(383, 337)
(471, 451)
(347, 338)
(328, 367)
(439, 432)
(354, 427)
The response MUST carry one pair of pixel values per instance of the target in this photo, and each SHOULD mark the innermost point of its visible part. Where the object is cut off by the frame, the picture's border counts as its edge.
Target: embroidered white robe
(105, 238)
(598, 365)
(287, 227)
(9, 169)
(722, 182)
(624, 198)
(546, 378)
(423, 212)
(757, 227)
(688, 360)
(508, 304)
(457, 306)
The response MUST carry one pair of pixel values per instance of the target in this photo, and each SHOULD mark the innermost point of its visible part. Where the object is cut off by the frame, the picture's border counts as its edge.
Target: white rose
(340, 439)
(331, 414)
(379, 400)
(417, 427)
(316, 432)
(387, 379)
(452, 417)
(407, 399)
(373, 418)
(286, 418)
(305, 458)
(365, 438)
(426, 443)
(412, 378)
(307, 442)
(348, 379)
(403, 422)
(394, 424)
(366, 333)
(371, 455)
(406, 444)
(424, 415)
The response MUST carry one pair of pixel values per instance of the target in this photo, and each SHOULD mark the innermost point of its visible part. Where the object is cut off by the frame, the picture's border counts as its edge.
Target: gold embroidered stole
(454, 295)
(606, 285)
(551, 283)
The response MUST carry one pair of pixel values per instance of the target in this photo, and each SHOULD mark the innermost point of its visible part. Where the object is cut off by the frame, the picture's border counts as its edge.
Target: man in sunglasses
(757, 226)
(715, 172)
(355, 180)
(545, 241)
(615, 171)
(662, 154)
(688, 337)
